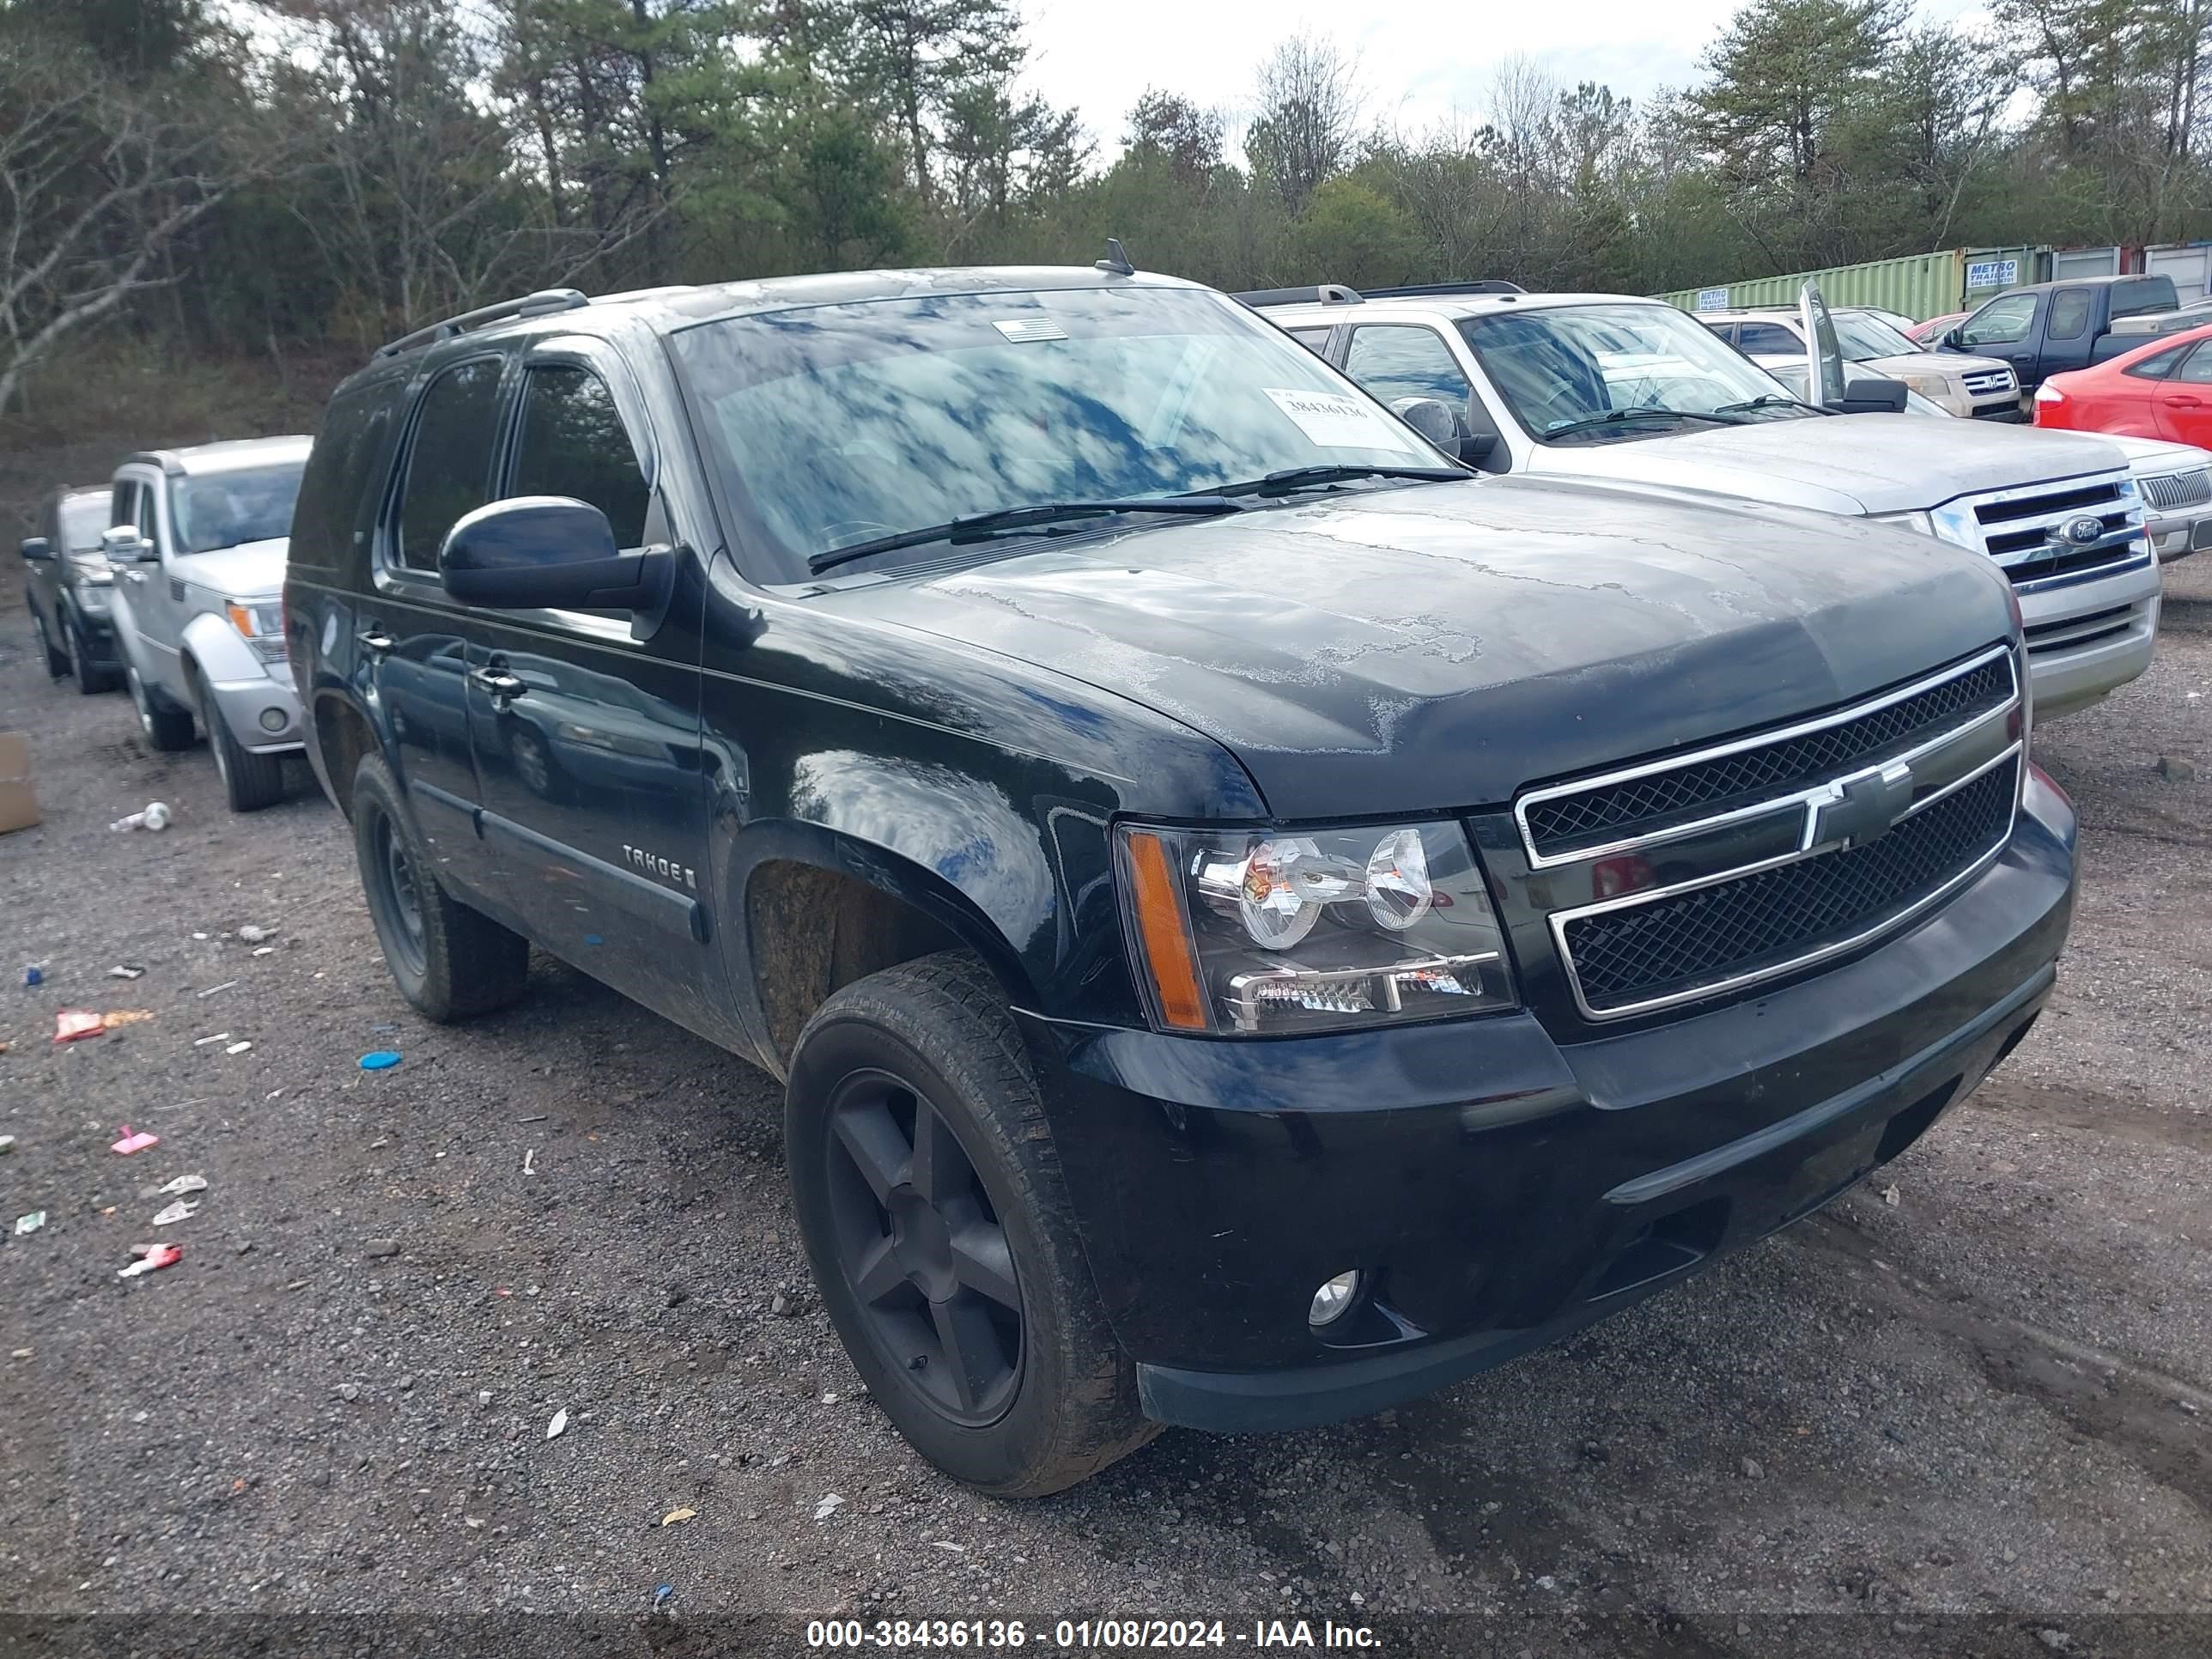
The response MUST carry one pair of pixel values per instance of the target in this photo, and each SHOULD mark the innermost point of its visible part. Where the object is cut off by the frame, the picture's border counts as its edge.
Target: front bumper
(2180, 535)
(248, 705)
(1499, 1188)
(2088, 636)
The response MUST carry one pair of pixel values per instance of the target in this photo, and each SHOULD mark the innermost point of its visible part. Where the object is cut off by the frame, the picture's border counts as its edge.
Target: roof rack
(1484, 285)
(1323, 294)
(541, 303)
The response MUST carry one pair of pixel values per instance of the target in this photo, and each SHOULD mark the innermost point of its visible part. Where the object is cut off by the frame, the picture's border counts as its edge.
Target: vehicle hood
(251, 570)
(1949, 364)
(1853, 463)
(1435, 648)
(2151, 456)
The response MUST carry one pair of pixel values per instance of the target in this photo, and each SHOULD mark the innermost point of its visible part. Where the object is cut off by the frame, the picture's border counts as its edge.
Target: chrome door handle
(502, 684)
(376, 642)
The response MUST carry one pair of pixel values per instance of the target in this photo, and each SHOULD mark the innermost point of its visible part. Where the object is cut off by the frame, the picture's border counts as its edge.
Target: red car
(1936, 328)
(2160, 390)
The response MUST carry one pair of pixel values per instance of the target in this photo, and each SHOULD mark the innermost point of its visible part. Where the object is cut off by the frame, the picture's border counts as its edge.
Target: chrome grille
(1987, 382)
(1725, 932)
(1575, 820)
(2178, 488)
(2024, 530)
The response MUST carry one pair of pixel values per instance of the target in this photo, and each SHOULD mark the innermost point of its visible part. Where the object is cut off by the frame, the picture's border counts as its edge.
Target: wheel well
(799, 961)
(343, 736)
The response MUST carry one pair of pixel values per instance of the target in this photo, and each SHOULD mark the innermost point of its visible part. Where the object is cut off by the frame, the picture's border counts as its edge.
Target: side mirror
(1477, 448)
(1435, 420)
(123, 544)
(37, 550)
(1872, 397)
(549, 553)
(1954, 338)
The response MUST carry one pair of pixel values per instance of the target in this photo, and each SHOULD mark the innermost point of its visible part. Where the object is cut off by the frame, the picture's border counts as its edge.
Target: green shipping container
(1919, 285)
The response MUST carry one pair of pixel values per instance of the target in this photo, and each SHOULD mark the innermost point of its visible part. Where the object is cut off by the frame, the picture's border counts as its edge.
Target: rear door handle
(378, 643)
(2184, 402)
(502, 684)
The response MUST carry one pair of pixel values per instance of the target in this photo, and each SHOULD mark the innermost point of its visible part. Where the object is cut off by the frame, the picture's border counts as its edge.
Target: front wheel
(448, 960)
(57, 662)
(250, 781)
(90, 680)
(930, 1197)
(167, 729)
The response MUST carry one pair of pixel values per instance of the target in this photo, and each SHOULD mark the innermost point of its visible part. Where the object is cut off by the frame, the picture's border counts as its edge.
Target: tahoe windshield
(843, 425)
(230, 508)
(1603, 373)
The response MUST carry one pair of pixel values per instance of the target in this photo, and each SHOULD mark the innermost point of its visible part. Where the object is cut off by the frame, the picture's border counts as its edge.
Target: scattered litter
(125, 970)
(133, 1140)
(662, 1596)
(212, 989)
(535, 1117)
(201, 1042)
(830, 1504)
(154, 816)
(266, 950)
(947, 1544)
(116, 1019)
(831, 1399)
(183, 1184)
(2175, 770)
(382, 1060)
(272, 1093)
(182, 1210)
(71, 1023)
(530, 1162)
(236, 1047)
(31, 1223)
(23, 1353)
(560, 1422)
(7, 1145)
(377, 1248)
(253, 934)
(199, 935)
(483, 1396)
(150, 1258)
(384, 1029)
(1891, 1196)
(35, 973)
(676, 1517)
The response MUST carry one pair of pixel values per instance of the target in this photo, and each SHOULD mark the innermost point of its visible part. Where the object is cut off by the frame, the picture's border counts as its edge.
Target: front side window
(1407, 361)
(2070, 313)
(841, 425)
(1599, 373)
(2197, 371)
(1768, 340)
(574, 443)
(125, 509)
(2004, 322)
(449, 464)
(232, 508)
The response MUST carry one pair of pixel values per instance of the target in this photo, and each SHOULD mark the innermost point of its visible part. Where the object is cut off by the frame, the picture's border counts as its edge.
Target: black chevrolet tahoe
(1256, 922)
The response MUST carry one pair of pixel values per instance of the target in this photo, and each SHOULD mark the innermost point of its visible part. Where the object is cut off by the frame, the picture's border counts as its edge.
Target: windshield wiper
(1305, 478)
(1007, 520)
(1616, 416)
(1767, 400)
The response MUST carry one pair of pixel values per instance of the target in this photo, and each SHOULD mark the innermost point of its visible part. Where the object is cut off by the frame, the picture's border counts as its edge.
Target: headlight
(1260, 932)
(1937, 387)
(1919, 521)
(260, 624)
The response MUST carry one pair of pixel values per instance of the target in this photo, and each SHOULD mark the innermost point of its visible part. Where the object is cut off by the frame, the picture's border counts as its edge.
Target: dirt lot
(1970, 1415)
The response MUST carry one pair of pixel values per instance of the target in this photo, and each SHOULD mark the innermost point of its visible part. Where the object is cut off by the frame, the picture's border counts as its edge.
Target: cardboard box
(18, 802)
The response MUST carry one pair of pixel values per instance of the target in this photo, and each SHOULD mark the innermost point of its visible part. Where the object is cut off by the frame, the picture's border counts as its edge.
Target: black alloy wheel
(922, 1250)
(395, 893)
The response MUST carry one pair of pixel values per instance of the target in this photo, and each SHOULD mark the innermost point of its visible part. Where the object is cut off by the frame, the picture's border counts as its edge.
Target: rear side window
(1768, 340)
(2145, 295)
(2159, 364)
(2070, 313)
(1407, 361)
(1314, 340)
(574, 443)
(449, 462)
(337, 492)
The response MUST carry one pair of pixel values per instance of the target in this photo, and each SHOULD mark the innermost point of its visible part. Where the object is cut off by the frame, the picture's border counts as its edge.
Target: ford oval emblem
(2083, 531)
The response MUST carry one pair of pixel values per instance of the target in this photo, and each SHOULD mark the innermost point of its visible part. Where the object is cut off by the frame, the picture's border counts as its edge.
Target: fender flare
(216, 653)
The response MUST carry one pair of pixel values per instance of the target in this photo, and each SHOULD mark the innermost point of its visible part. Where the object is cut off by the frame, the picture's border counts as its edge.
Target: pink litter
(134, 1140)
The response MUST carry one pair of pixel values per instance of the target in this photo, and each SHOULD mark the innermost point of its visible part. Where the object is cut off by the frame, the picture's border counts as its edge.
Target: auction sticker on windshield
(1336, 420)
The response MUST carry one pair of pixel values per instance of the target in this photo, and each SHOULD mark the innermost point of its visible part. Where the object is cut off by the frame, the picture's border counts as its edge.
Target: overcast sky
(1419, 61)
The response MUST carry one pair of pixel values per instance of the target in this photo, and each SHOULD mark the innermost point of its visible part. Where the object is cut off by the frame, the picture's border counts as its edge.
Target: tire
(983, 1261)
(90, 681)
(57, 664)
(250, 781)
(167, 729)
(451, 963)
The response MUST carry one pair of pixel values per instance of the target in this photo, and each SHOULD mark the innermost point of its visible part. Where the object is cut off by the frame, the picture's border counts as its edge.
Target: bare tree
(1308, 112)
(98, 179)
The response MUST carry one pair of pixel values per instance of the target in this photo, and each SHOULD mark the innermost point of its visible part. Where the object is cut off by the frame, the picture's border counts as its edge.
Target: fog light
(272, 720)
(1334, 1299)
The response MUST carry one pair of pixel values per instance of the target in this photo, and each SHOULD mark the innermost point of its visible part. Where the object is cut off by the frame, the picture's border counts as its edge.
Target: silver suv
(196, 538)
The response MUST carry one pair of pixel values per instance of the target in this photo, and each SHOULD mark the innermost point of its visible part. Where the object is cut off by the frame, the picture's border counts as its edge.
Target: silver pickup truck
(1601, 386)
(197, 539)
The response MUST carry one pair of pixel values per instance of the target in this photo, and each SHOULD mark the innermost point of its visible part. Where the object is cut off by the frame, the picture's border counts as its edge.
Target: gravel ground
(1967, 1409)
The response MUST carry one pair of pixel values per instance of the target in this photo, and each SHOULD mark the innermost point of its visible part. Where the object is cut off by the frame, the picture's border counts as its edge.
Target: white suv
(1608, 386)
(1980, 388)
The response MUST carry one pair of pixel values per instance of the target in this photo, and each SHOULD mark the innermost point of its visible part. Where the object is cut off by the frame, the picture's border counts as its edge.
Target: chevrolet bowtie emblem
(1854, 810)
